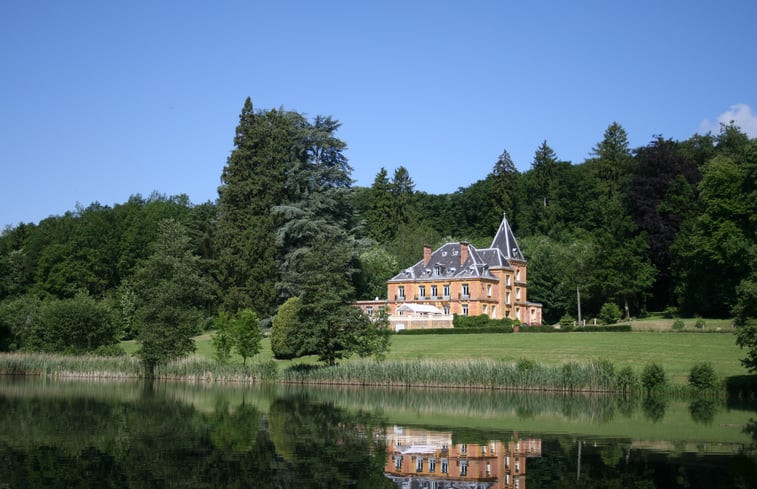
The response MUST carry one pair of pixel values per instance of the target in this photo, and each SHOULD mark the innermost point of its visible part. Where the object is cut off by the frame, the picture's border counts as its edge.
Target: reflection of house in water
(420, 459)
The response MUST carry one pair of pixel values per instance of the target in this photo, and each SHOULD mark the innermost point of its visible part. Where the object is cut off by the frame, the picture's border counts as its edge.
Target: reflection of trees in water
(702, 410)
(319, 445)
(149, 439)
(157, 442)
(654, 408)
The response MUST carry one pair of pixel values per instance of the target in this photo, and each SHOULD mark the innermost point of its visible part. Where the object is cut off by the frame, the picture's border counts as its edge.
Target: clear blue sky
(100, 100)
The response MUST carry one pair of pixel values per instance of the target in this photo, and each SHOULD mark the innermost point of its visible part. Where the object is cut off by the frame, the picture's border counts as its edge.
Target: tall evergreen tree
(504, 194)
(267, 145)
(318, 205)
(622, 269)
(381, 226)
(403, 191)
(542, 191)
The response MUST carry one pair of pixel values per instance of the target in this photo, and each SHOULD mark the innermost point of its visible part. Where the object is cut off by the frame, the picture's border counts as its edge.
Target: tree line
(668, 226)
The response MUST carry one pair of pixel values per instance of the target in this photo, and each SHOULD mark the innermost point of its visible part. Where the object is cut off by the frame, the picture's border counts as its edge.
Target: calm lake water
(95, 434)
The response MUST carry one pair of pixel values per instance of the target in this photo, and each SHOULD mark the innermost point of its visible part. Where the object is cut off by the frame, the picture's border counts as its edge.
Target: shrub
(653, 377)
(17, 319)
(566, 321)
(79, 324)
(702, 376)
(626, 380)
(525, 365)
(699, 323)
(609, 314)
(678, 325)
(482, 321)
(283, 341)
(670, 312)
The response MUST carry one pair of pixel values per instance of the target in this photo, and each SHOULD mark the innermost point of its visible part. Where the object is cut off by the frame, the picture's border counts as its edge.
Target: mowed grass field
(676, 352)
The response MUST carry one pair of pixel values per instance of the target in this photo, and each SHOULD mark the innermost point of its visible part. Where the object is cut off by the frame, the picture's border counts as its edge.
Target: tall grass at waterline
(193, 368)
(198, 369)
(69, 365)
(592, 376)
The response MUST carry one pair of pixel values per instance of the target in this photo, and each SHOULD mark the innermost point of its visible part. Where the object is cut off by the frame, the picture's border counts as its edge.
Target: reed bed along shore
(591, 376)
(193, 369)
(595, 376)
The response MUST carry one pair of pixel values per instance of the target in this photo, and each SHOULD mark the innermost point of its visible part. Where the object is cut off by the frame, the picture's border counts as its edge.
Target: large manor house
(458, 278)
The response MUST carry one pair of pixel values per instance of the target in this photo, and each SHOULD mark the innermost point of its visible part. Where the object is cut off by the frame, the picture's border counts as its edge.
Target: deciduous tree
(172, 295)
(246, 334)
(328, 325)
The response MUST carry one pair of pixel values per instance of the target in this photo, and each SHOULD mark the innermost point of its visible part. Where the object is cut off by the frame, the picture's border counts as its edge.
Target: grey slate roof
(445, 260)
(505, 241)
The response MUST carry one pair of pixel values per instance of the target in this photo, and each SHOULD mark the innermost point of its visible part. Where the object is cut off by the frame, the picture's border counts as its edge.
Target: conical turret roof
(505, 241)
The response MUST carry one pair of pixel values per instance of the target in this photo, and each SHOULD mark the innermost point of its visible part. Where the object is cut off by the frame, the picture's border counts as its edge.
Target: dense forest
(668, 226)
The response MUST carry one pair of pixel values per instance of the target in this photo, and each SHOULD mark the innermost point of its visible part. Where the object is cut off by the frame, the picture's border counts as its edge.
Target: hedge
(583, 329)
(498, 329)
(481, 321)
(523, 329)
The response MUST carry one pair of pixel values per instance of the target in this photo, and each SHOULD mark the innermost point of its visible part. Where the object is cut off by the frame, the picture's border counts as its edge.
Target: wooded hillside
(667, 225)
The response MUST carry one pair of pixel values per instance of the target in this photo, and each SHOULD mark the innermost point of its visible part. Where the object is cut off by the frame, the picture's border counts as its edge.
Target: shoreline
(592, 377)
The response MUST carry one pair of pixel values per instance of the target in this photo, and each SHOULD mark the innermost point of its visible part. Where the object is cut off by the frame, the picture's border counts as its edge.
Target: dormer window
(438, 270)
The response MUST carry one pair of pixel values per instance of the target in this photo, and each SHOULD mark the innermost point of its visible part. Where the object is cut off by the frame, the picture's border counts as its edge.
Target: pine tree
(267, 145)
(505, 180)
(622, 270)
(381, 226)
(543, 190)
(403, 193)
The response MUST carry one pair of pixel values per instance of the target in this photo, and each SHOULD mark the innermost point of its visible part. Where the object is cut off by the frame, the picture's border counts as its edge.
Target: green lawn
(676, 352)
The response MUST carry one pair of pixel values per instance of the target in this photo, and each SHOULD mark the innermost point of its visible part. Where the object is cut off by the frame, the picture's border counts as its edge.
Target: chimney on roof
(463, 252)
(426, 255)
